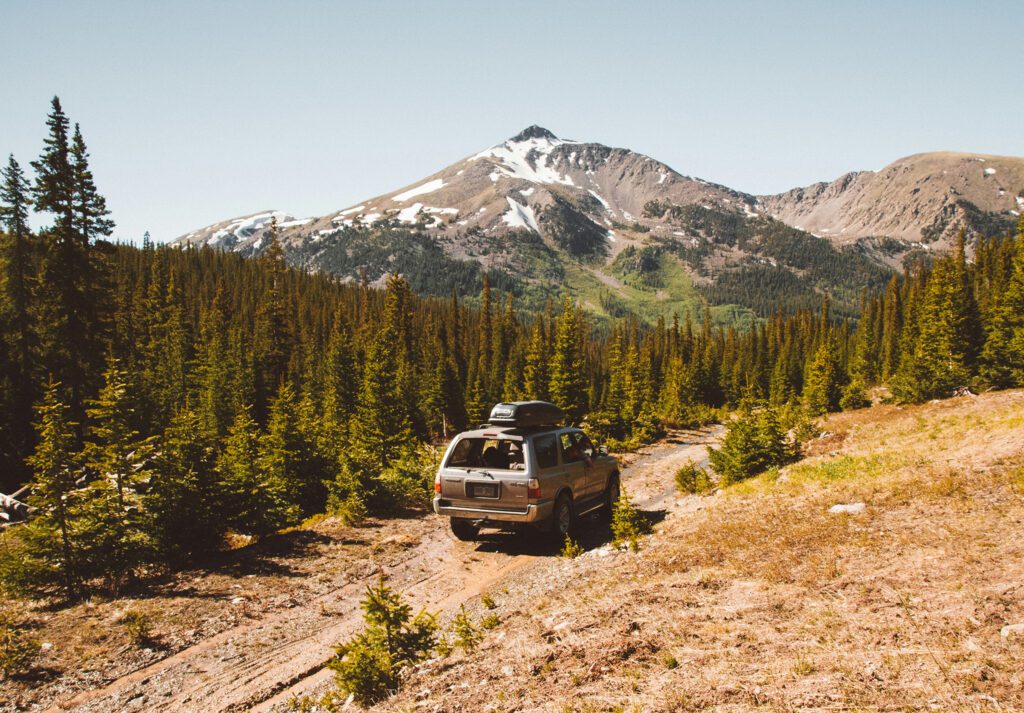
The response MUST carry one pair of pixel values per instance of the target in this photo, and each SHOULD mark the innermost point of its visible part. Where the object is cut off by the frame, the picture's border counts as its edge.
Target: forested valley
(156, 400)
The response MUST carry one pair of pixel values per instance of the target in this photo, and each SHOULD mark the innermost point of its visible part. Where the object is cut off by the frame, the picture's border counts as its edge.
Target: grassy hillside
(762, 598)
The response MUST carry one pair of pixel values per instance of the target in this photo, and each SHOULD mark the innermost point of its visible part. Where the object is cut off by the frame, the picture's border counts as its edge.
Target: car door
(593, 468)
(574, 463)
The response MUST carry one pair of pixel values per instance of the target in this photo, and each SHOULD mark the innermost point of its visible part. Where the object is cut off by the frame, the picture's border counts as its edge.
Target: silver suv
(523, 469)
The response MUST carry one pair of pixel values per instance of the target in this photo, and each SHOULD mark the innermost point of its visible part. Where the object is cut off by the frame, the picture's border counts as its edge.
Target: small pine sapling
(628, 525)
(467, 635)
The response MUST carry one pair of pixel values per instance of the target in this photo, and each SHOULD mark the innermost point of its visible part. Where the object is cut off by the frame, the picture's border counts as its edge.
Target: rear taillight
(437, 484)
(533, 489)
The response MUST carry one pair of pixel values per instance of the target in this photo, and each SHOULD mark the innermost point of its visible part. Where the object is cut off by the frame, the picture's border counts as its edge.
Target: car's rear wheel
(563, 520)
(464, 529)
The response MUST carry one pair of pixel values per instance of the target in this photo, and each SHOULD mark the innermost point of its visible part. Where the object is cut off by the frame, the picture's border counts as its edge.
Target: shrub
(693, 479)
(571, 549)
(467, 635)
(753, 443)
(369, 666)
(488, 601)
(627, 523)
(18, 650)
(854, 396)
(489, 622)
(138, 625)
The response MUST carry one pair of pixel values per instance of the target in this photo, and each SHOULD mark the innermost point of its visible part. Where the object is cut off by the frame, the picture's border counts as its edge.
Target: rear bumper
(534, 513)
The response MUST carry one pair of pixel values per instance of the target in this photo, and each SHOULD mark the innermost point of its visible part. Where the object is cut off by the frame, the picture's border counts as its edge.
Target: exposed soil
(254, 632)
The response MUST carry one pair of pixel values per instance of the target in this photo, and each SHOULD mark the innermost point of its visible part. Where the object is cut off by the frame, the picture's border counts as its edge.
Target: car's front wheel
(464, 529)
(611, 496)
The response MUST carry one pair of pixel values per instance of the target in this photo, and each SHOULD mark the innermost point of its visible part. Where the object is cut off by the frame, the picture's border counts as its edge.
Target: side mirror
(603, 450)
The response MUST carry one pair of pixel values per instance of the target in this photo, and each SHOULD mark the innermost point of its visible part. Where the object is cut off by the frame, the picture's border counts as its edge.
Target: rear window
(546, 448)
(487, 453)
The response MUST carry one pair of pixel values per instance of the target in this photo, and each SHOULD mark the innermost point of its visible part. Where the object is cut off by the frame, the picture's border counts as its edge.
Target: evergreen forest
(157, 399)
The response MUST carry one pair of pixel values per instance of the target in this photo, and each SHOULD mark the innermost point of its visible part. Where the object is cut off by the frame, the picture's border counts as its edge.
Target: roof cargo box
(526, 414)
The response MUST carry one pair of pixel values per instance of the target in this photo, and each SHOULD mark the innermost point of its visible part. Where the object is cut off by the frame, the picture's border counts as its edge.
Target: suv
(524, 470)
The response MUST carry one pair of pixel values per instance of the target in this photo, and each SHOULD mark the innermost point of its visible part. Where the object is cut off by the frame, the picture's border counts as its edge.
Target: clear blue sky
(199, 111)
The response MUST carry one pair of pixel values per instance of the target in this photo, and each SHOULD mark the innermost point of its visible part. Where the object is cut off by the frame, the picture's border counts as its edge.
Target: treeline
(156, 399)
(949, 324)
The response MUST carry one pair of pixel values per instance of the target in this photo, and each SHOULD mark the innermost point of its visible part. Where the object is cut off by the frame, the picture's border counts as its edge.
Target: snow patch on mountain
(428, 187)
(602, 200)
(520, 216)
(528, 159)
(241, 228)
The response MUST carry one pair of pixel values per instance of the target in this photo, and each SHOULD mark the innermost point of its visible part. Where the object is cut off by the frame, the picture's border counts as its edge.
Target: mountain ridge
(625, 232)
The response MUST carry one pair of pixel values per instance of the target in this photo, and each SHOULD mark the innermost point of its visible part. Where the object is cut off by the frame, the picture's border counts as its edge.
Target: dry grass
(766, 600)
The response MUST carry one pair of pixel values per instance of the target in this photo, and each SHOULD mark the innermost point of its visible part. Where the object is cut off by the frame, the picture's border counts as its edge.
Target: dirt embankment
(884, 572)
(254, 632)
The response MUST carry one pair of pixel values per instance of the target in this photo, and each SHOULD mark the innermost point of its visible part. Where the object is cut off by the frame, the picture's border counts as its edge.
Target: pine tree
(944, 350)
(259, 500)
(382, 429)
(288, 451)
(568, 364)
(186, 502)
(89, 208)
(50, 558)
(55, 176)
(73, 288)
(120, 459)
(274, 340)
(1002, 357)
(213, 372)
(536, 372)
(17, 325)
(823, 383)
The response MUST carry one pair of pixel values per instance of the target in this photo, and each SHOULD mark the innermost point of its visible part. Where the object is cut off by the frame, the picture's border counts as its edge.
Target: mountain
(920, 201)
(628, 234)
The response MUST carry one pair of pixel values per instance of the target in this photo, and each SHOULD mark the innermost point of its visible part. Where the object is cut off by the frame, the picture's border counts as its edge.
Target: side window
(570, 448)
(586, 445)
(546, 448)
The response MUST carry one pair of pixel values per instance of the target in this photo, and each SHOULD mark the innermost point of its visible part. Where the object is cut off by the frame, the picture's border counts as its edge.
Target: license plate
(483, 490)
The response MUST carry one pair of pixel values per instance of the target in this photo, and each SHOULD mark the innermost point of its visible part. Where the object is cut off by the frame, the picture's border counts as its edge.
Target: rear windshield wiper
(481, 472)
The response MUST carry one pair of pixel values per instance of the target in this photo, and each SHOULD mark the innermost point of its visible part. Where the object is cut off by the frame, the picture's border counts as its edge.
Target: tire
(611, 496)
(563, 520)
(464, 530)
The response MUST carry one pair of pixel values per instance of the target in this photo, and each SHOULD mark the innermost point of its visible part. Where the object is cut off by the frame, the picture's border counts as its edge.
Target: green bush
(467, 635)
(693, 479)
(628, 525)
(369, 666)
(138, 625)
(571, 549)
(18, 650)
(854, 397)
(754, 442)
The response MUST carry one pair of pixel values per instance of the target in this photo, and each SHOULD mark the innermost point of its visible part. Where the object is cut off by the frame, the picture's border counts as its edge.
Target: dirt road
(263, 663)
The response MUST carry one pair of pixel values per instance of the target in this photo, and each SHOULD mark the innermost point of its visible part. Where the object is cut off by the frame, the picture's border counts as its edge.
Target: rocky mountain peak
(533, 132)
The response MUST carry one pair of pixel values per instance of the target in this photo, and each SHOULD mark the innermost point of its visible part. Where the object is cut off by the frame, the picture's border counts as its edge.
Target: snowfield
(428, 187)
(529, 160)
(520, 216)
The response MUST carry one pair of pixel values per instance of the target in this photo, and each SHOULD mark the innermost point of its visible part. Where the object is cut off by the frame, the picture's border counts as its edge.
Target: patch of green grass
(838, 469)
(675, 294)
